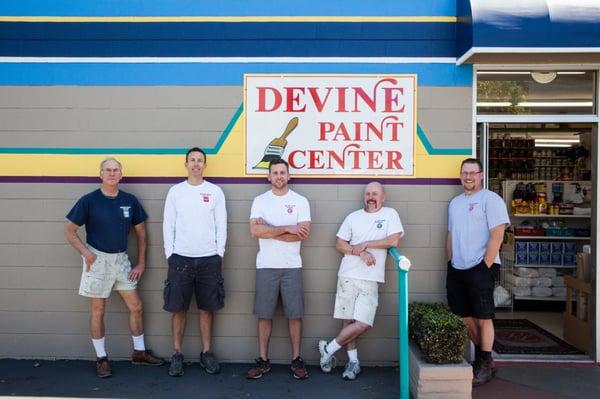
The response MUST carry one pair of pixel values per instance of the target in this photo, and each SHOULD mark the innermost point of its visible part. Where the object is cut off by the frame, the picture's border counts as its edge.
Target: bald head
(374, 197)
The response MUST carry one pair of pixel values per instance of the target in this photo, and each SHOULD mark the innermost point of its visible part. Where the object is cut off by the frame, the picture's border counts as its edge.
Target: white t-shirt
(361, 226)
(470, 218)
(279, 210)
(195, 220)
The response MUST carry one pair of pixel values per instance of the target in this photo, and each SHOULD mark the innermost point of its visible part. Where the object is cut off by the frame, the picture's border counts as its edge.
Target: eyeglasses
(469, 174)
(115, 170)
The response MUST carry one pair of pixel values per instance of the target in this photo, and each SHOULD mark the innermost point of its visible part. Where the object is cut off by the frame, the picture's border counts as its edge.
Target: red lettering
(324, 128)
(393, 160)
(390, 99)
(374, 160)
(341, 99)
(262, 99)
(315, 160)
(317, 100)
(292, 159)
(292, 99)
(342, 131)
(394, 126)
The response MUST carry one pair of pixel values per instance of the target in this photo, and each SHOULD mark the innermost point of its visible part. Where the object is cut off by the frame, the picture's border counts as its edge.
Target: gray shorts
(270, 283)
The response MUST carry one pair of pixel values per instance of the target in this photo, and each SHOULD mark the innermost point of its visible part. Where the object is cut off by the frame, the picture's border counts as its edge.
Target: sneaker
(299, 369)
(482, 372)
(146, 358)
(327, 362)
(103, 367)
(351, 371)
(262, 367)
(176, 368)
(209, 362)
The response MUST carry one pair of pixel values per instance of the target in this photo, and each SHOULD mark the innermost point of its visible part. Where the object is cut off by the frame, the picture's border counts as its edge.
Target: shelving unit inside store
(540, 248)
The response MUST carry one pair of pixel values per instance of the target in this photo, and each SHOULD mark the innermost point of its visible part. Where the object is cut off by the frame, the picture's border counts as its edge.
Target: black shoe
(482, 372)
(176, 368)
(209, 362)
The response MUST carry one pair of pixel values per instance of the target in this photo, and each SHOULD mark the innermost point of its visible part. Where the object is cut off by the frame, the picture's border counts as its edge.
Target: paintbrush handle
(290, 127)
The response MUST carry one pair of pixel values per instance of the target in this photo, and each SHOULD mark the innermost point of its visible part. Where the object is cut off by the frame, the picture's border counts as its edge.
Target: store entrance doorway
(543, 171)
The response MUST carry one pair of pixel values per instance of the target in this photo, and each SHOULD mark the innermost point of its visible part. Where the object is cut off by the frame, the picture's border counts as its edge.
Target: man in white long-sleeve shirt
(194, 234)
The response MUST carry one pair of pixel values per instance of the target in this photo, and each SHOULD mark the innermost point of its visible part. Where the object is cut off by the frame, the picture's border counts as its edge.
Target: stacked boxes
(545, 253)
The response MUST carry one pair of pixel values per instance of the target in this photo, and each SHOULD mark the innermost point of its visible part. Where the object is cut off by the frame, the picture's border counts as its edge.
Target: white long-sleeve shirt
(195, 220)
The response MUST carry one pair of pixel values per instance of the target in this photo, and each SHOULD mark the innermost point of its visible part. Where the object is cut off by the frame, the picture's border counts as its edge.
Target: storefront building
(396, 92)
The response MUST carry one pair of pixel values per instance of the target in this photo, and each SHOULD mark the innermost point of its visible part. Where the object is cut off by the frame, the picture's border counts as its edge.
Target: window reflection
(536, 92)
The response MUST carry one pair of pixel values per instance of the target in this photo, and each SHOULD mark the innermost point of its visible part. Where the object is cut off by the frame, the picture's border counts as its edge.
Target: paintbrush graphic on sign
(276, 147)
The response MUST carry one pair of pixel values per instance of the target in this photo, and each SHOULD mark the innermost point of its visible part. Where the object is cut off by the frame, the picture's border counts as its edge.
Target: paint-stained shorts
(187, 276)
(356, 300)
(109, 272)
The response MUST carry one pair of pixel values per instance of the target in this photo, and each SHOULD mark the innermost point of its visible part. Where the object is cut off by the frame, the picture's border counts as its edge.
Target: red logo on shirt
(205, 197)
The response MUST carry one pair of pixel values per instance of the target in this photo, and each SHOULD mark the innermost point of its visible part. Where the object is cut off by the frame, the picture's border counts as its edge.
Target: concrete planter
(429, 381)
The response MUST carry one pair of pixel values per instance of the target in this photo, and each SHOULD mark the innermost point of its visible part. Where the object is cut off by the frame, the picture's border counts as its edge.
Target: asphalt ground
(77, 378)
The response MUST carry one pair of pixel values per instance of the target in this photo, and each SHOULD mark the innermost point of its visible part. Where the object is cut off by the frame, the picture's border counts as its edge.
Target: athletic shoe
(209, 362)
(327, 361)
(146, 358)
(262, 367)
(176, 368)
(482, 372)
(299, 369)
(103, 367)
(351, 371)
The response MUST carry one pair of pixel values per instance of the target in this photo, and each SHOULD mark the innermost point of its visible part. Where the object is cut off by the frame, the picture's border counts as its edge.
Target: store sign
(326, 125)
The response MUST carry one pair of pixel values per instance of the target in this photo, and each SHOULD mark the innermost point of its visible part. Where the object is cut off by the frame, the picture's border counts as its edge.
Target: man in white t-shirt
(280, 219)
(194, 234)
(364, 238)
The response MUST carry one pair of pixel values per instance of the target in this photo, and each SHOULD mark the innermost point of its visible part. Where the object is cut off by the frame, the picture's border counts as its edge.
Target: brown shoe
(262, 367)
(299, 369)
(146, 358)
(103, 367)
(482, 372)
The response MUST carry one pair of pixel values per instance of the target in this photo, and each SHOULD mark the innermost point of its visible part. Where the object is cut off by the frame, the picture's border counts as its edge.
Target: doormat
(522, 337)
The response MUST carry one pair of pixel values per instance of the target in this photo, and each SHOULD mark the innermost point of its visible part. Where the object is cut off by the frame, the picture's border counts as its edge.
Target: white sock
(99, 347)
(332, 347)
(353, 355)
(138, 342)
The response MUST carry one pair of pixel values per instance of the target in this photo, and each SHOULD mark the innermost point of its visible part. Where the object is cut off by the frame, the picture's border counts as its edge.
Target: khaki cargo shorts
(108, 272)
(356, 300)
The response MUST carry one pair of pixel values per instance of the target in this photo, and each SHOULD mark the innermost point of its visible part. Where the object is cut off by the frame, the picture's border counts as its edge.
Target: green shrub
(440, 334)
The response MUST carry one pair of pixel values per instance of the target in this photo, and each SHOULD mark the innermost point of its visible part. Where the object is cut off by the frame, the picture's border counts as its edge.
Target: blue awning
(527, 27)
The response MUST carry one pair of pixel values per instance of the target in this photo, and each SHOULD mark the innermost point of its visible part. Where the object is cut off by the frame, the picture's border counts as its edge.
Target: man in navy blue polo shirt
(108, 214)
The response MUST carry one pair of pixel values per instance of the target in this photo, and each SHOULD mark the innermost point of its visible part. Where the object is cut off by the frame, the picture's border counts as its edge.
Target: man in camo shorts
(108, 214)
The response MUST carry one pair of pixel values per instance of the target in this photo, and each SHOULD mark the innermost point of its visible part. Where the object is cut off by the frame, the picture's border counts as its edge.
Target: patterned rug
(522, 337)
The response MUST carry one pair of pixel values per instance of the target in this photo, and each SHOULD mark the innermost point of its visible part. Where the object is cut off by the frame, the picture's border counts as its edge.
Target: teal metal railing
(403, 265)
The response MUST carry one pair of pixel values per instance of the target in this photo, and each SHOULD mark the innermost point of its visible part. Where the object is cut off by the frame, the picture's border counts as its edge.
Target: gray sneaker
(176, 368)
(352, 370)
(209, 362)
(327, 361)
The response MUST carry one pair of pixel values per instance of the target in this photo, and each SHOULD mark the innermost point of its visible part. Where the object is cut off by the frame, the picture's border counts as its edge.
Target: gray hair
(105, 160)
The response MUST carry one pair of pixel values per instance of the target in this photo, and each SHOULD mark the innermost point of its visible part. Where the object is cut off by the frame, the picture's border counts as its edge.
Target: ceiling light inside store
(552, 145)
(555, 104)
(543, 77)
(494, 104)
(559, 141)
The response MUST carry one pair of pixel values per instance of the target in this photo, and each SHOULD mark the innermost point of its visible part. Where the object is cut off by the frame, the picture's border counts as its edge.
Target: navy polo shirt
(107, 220)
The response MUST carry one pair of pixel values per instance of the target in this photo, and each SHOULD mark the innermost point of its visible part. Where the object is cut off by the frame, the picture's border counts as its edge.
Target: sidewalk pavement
(76, 378)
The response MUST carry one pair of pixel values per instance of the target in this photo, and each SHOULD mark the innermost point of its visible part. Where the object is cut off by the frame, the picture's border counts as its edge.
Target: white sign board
(331, 125)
